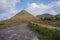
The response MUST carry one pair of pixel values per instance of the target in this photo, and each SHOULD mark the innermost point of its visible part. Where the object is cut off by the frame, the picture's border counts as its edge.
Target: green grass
(45, 33)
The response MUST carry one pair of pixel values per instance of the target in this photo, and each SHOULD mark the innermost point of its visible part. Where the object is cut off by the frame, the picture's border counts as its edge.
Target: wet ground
(19, 32)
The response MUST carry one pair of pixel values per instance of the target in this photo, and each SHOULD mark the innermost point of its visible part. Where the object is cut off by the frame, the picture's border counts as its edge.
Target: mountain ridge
(46, 15)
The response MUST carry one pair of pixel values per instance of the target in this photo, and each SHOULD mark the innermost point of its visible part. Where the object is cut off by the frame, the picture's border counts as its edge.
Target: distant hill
(49, 19)
(45, 15)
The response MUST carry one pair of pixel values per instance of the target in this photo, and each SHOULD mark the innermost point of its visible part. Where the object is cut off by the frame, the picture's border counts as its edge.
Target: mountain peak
(23, 12)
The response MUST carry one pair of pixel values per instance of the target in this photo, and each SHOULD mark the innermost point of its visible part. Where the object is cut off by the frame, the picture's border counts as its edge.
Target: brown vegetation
(21, 17)
(55, 23)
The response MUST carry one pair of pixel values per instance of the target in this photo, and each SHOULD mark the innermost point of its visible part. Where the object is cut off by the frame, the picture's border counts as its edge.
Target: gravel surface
(19, 32)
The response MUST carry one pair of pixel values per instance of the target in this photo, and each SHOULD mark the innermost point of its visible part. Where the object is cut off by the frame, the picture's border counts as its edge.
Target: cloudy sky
(9, 8)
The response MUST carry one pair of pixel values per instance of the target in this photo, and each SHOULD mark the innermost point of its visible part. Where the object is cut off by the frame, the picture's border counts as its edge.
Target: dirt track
(19, 32)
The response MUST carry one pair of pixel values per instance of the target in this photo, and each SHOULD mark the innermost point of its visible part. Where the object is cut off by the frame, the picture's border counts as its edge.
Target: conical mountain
(21, 17)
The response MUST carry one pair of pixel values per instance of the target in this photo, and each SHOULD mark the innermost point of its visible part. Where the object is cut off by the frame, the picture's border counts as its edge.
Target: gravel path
(19, 32)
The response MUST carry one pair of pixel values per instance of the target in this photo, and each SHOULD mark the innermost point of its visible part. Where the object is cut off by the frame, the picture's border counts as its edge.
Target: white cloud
(56, 6)
(7, 7)
(36, 9)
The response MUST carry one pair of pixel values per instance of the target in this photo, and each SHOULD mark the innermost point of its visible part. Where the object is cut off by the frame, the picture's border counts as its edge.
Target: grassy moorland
(6, 25)
(45, 33)
(55, 23)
